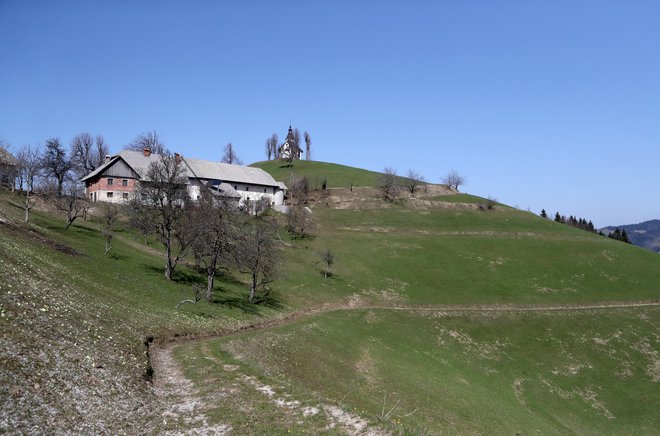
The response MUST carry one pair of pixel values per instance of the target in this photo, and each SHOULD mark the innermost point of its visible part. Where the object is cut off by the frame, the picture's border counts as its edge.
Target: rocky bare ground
(62, 368)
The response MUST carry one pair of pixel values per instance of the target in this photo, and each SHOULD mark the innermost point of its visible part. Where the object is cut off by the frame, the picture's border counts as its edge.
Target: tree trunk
(27, 214)
(168, 259)
(108, 244)
(209, 284)
(253, 288)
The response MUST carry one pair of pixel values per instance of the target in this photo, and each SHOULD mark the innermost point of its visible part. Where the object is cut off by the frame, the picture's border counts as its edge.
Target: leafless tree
(158, 207)
(230, 156)
(308, 146)
(109, 215)
(389, 184)
(453, 179)
(256, 254)
(56, 164)
(271, 147)
(71, 202)
(149, 140)
(198, 296)
(29, 166)
(299, 190)
(215, 226)
(296, 141)
(87, 153)
(413, 181)
(328, 259)
(299, 221)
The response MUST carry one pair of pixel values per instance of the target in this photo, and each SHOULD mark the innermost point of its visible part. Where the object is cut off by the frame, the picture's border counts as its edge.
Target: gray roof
(138, 161)
(195, 169)
(204, 169)
(7, 158)
(134, 159)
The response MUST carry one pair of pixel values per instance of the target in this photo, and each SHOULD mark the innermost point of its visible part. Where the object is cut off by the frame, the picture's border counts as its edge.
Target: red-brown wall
(102, 184)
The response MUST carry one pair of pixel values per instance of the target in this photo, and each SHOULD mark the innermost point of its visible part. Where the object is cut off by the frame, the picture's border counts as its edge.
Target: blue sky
(540, 104)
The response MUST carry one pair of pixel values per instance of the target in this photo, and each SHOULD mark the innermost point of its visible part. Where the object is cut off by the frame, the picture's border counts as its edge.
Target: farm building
(118, 179)
(8, 168)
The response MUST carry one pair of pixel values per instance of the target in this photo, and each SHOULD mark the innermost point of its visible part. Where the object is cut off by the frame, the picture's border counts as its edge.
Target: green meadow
(439, 318)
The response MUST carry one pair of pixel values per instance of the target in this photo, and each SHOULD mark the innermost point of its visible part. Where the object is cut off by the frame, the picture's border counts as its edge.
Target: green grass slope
(73, 323)
(582, 372)
(337, 176)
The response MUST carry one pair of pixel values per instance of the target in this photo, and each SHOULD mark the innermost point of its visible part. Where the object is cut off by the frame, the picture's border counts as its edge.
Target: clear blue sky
(541, 104)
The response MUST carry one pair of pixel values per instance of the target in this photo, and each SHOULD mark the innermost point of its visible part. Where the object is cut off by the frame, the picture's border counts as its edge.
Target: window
(247, 188)
(109, 194)
(124, 195)
(124, 182)
(264, 190)
(110, 182)
(236, 187)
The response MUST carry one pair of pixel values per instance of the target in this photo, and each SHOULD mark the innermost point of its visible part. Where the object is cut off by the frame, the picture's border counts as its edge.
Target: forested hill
(646, 234)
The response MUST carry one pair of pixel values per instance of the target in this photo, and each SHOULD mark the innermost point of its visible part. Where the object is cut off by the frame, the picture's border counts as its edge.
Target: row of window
(124, 195)
(247, 188)
(111, 182)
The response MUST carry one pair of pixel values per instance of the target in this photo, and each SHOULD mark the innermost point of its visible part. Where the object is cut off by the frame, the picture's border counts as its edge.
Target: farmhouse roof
(134, 159)
(7, 158)
(204, 169)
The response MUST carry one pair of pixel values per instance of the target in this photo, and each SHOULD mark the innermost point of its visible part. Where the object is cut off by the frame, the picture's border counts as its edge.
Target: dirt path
(185, 405)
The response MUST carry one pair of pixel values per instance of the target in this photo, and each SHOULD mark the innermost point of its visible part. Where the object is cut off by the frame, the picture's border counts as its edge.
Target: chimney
(177, 158)
(107, 158)
(146, 151)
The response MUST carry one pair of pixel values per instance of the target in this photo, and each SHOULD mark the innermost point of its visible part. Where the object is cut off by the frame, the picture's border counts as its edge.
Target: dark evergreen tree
(557, 217)
(543, 213)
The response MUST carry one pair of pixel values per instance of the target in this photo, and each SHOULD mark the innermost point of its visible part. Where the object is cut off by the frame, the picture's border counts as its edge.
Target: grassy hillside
(337, 176)
(584, 372)
(73, 326)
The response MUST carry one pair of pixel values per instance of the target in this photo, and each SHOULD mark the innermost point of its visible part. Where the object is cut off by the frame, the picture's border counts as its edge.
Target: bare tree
(230, 156)
(328, 259)
(214, 227)
(308, 146)
(87, 153)
(198, 296)
(149, 140)
(56, 164)
(158, 207)
(29, 165)
(299, 221)
(256, 254)
(389, 184)
(296, 142)
(109, 215)
(453, 179)
(71, 202)
(271, 147)
(298, 190)
(413, 181)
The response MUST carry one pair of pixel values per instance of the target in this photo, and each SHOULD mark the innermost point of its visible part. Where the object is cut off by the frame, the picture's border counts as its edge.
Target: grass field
(583, 372)
(74, 323)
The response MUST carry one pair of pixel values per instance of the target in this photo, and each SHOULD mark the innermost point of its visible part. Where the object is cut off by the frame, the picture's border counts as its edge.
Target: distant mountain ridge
(646, 234)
